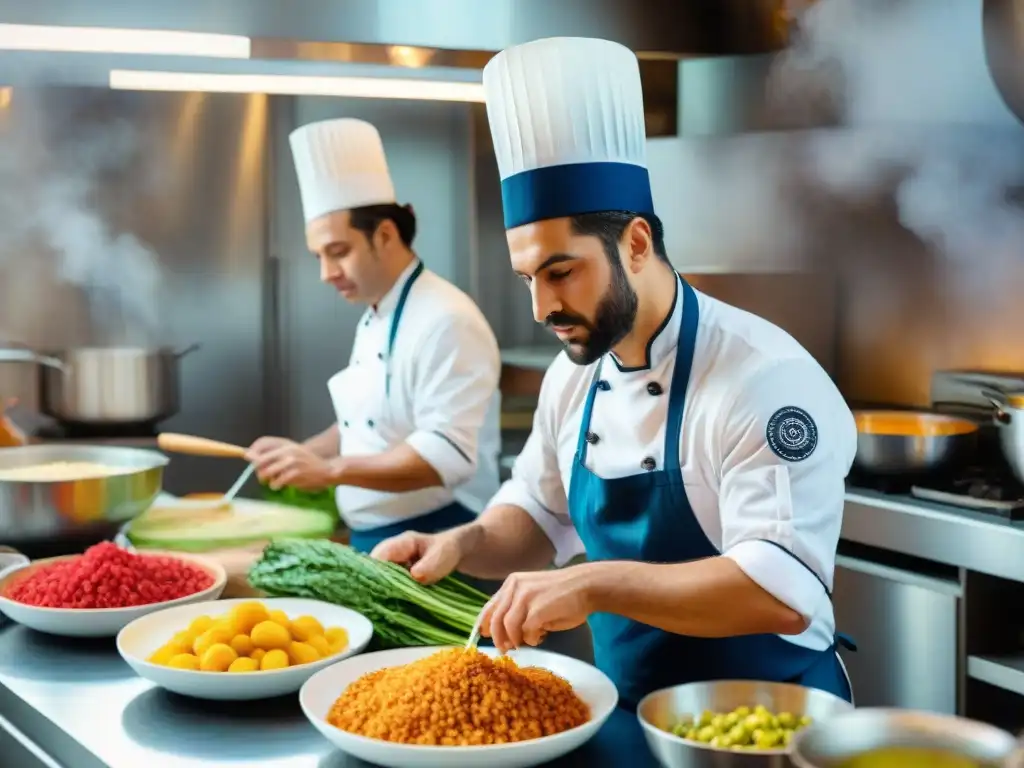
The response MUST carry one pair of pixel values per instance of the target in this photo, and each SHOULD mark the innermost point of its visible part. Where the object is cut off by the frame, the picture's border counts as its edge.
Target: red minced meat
(107, 576)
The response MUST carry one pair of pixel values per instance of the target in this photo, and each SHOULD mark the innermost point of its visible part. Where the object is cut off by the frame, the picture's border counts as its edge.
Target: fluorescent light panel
(31, 37)
(297, 85)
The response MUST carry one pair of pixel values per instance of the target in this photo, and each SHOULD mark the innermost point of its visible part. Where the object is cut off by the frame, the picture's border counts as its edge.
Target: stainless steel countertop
(80, 700)
(976, 541)
(81, 703)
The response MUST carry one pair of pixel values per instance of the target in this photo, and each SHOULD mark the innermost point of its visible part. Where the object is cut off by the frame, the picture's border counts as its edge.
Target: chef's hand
(430, 556)
(531, 604)
(280, 462)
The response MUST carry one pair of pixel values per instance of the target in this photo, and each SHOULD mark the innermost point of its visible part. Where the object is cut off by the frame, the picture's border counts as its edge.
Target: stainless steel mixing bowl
(828, 743)
(660, 710)
(38, 509)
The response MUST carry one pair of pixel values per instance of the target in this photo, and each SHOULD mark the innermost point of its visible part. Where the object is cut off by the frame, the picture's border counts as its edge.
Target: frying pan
(911, 442)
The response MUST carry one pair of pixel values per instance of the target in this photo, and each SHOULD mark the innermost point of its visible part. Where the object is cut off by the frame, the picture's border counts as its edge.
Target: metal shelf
(1006, 672)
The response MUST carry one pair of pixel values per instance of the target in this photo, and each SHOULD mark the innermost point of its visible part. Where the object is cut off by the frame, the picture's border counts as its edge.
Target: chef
(694, 452)
(415, 442)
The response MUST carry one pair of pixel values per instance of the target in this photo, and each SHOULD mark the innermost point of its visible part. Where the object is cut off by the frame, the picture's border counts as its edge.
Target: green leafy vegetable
(319, 500)
(404, 613)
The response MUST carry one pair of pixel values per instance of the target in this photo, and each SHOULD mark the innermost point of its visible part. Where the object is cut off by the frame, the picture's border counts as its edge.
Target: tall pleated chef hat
(567, 122)
(341, 165)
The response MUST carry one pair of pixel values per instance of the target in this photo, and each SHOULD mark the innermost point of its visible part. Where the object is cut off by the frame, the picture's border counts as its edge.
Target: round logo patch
(792, 434)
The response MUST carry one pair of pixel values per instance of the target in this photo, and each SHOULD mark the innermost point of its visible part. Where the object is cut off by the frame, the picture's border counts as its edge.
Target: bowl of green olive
(731, 722)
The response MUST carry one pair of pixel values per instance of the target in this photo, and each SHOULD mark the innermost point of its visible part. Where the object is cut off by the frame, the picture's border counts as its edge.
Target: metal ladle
(174, 442)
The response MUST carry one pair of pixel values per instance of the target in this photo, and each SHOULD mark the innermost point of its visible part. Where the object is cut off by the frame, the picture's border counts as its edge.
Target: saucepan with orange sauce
(912, 442)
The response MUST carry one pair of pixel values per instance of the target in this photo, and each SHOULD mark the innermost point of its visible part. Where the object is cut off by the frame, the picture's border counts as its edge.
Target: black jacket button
(344, 423)
(603, 385)
(592, 438)
(369, 423)
(654, 388)
(648, 464)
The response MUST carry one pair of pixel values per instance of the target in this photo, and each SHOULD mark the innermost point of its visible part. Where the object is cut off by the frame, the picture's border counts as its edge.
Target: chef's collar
(386, 305)
(663, 341)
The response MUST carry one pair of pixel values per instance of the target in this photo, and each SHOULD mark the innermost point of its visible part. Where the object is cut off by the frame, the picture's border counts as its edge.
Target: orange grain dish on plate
(458, 698)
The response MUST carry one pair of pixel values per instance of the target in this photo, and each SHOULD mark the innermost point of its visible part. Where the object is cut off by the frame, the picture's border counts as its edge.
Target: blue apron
(647, 517)
(432, 522)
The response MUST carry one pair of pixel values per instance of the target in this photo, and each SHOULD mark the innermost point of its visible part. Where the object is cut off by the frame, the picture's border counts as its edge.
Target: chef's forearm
(503, 540)
(326, 444)
(703, 598)
(397, 470)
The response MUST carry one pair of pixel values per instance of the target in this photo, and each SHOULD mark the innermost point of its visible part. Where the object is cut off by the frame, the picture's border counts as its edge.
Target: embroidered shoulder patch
(791, 433)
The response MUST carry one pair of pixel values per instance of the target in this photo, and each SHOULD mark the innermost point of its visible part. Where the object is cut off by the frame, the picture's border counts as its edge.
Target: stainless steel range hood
(658, 27)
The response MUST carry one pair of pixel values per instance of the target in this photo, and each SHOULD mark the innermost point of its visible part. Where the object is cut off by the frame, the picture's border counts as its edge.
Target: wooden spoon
(199, 446)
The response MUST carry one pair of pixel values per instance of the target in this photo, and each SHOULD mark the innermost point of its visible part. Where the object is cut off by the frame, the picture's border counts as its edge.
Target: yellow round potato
(184, 661)
(257, 654)
(244, 664)
(305, 627)
(322, 646)
(279, 617)
(269, 635)
(274, 659)
(213, 636)
(183, 640)
(248, 615)
(337, 637)
(199, 625)
(227, 624)
(164, 654)
(302, 653)
(217, 658)
(242, 644)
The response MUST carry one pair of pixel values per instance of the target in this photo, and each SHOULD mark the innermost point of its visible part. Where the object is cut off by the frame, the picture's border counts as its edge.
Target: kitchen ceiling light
(32, 37)
(298, 85)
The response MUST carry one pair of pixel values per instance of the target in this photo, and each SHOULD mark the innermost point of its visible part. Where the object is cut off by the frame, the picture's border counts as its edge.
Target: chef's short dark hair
(609, 226)
(369, 217)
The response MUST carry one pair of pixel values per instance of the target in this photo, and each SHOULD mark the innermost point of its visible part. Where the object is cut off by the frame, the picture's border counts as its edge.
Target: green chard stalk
(403, 611)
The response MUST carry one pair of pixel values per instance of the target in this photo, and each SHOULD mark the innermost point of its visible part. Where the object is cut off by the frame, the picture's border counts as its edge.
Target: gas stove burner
(983, 489)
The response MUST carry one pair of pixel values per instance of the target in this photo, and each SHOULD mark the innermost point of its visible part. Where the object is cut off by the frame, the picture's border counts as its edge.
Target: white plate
(323, 689)
(142, 637)
(97, 622)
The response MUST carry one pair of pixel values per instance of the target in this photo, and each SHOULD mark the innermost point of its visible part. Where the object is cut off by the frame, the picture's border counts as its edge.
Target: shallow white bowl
(323, 689)
(97, 622)
(142, 637)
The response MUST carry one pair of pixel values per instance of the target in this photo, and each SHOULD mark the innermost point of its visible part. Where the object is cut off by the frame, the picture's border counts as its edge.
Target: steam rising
(930, 132)
(61, 167)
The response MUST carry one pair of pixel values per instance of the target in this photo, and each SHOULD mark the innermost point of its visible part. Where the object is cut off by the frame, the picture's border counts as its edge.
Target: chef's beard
(613, 319)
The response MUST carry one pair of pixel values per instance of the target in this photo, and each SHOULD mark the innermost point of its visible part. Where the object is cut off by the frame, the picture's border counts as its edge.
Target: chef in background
(415, 443)
(695, 452)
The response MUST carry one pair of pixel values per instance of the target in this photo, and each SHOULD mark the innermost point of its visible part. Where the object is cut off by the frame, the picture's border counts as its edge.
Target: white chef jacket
(743, 493)
(443, 401)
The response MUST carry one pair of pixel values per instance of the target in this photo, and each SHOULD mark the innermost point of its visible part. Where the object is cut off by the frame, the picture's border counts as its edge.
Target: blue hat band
(569, 190)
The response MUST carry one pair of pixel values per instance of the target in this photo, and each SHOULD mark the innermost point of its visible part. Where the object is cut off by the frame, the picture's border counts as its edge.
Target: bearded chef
(696, 453)
(415, 443)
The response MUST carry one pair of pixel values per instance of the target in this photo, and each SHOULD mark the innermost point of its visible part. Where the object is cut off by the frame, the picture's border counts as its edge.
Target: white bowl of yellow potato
(234, 650)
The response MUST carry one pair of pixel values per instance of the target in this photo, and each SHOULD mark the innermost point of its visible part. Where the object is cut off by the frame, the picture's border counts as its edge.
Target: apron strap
(395, 319)
(681, 374)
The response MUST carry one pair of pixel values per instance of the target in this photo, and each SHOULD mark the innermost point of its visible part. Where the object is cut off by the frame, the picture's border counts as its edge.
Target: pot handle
(11, 354)
(187, 350)
(998, 400)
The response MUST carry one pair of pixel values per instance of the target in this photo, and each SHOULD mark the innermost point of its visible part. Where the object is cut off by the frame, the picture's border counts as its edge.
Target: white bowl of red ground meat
(97, 593)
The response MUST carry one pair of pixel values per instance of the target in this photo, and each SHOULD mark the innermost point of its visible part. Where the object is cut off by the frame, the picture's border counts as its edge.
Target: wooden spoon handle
(198, 446)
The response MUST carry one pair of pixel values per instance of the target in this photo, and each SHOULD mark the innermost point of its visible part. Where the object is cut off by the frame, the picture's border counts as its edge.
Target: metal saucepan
(832, 742)
(1009, 417)
(911, 442)
(106, 386)
(660, 710)
(35, 509)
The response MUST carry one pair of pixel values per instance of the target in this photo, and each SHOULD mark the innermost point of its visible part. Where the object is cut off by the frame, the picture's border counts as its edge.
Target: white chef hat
(567, 121)
(341, 165)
